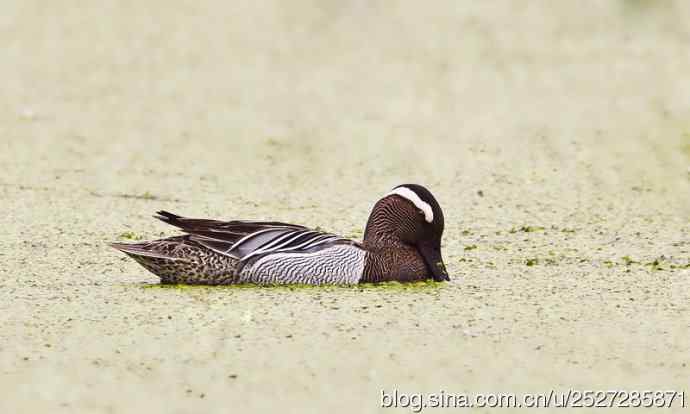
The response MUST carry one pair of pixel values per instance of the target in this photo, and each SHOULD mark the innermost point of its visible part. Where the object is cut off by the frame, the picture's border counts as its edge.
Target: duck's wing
(244, 240)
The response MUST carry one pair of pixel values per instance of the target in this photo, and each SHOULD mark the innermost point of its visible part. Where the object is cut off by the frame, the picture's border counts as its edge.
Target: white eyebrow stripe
(410, 195)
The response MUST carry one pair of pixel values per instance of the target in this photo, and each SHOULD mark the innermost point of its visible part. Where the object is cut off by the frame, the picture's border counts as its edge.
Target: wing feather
(243, 240)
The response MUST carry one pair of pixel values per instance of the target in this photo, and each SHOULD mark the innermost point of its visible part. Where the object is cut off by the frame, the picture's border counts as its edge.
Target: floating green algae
(627, 260)
(130, 235)
(531, 229)
(526, 229)
(394, 285)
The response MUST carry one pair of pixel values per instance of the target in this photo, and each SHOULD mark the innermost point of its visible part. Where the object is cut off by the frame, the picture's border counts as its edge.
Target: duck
(402, 242)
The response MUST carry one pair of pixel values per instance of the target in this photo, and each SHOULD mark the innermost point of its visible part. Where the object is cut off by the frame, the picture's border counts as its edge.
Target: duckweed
(655, 265)
(407, 286)
(531, 229)
(130, 235)
(628, 261)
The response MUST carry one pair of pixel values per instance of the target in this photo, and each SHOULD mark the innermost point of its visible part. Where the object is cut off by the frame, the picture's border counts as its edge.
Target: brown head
(409, 216)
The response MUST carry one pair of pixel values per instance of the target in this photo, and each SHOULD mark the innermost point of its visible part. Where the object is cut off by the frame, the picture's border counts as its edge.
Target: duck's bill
(434, 262)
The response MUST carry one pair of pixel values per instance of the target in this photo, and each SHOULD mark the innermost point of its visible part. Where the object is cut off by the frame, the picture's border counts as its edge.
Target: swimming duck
(402, 242)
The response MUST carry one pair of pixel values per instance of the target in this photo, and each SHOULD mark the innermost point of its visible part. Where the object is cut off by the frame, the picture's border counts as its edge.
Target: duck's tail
(180, 260)
(140, 250)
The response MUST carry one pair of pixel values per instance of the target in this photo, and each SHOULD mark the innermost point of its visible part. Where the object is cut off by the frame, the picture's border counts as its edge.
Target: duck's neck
(387, 262)
(389, 258)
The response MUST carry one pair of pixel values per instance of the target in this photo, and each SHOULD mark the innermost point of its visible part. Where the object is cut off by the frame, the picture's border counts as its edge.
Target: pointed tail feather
(167, 217)
(138, 250)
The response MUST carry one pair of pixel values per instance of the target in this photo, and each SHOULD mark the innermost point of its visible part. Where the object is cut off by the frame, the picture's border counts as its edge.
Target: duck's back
(216, 252)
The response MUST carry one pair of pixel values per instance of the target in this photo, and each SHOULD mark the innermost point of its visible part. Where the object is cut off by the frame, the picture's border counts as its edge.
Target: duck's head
(411, 215)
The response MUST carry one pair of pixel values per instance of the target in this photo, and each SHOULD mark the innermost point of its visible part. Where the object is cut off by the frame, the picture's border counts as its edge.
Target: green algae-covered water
(553, 136)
